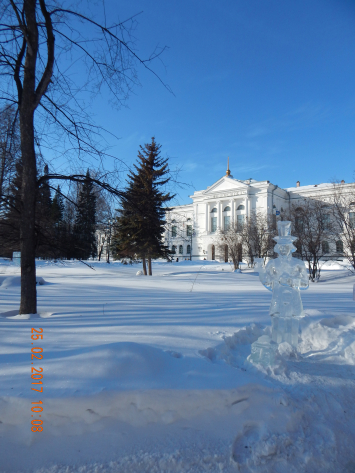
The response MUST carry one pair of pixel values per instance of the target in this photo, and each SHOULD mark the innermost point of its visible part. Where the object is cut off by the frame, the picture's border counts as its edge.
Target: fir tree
(85, 221)
(11, 215)
(57, 208)
(44, 224)
(44, 200)
(60, 241)
(10, 222)
(141, 223)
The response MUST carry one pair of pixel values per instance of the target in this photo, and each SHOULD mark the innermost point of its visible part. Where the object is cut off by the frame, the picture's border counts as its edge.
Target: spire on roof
(228, 173)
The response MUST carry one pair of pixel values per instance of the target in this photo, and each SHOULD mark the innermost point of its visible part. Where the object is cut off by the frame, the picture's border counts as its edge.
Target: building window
(189, 230)
(214, 210)
(227, 209)
(240, 222)
(325, 247)
(241, 207)
(173, 249)
(326, 221)
(299, 224)
(352, 219)
(227, 223)
(339, 246)
(213, 224)
(173, 232)
(181, 249)
(188, 250)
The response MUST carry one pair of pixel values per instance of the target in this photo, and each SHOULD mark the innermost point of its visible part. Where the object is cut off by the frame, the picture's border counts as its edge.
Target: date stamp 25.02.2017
(37, 376)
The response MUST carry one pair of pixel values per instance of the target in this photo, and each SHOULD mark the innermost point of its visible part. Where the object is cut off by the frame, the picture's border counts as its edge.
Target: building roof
(308, 188)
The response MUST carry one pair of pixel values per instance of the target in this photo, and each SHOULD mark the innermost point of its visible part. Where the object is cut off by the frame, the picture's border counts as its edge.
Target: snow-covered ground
(150, 374)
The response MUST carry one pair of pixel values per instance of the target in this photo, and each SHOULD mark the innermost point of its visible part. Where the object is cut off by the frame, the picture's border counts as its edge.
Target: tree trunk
(27, 226)
(149, 266)
(101, 249)
(29, 97)
(144, 266)
(2, 173)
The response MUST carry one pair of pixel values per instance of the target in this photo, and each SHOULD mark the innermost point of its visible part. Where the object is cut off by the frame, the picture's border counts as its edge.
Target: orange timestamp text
(37, 376)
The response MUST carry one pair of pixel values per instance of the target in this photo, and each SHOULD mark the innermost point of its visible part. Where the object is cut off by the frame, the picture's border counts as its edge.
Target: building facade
(191, 229)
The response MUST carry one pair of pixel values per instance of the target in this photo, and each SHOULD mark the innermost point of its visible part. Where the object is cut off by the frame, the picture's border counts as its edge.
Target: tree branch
(80, 178)
(48, 72)
(120, 41)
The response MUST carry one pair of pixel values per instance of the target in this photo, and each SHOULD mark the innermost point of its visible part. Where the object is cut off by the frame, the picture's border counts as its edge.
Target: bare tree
(258, 233)
(313, 227)
(229, 244)
(38, 38)
(105, 220)
(343, 216)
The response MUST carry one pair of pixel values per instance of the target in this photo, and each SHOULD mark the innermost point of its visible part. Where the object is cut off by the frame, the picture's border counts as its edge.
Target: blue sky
(268, 83)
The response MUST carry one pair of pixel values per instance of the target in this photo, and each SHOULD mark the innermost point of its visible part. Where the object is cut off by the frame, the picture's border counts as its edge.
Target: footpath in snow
(150, 374)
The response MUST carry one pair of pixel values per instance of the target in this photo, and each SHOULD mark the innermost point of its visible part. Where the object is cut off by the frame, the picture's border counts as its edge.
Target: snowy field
(150, 374)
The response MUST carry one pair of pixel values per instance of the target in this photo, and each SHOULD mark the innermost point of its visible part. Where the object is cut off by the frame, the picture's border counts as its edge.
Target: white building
(225, 202)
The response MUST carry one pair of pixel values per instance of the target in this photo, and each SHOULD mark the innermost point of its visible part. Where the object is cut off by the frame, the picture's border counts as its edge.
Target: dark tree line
(63, 228)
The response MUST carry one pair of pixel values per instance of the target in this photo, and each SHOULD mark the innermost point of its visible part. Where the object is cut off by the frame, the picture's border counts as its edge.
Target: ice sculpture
(285, 277)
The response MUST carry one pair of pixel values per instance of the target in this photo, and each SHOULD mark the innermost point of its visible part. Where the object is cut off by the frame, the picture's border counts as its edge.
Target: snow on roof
(310, 187)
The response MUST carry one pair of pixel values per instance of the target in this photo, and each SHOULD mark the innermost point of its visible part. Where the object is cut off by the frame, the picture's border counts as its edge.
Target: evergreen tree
(60, 241)
(11, 215)
(141, 223)
(11, 218)
(57, 208)
(44, 224)
(85, 221)
(44, 200)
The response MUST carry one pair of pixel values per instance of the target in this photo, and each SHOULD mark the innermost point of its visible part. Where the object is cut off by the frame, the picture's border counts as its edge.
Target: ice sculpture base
(285, 329)
(263, 351)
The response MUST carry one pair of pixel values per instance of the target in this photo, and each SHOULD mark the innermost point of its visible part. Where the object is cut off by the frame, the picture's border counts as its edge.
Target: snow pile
(236, 348)
(329, 340)
(335, 265)
(39, 315)
(15, 281)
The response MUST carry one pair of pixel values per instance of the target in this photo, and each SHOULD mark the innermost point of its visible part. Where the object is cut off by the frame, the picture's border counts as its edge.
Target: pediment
(226, 184)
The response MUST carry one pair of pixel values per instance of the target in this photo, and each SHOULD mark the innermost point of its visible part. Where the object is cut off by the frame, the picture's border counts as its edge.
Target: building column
(232, 211)
(219, 214)
(246, 206)
(195, 217)
(207, 218)
(194, 231)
